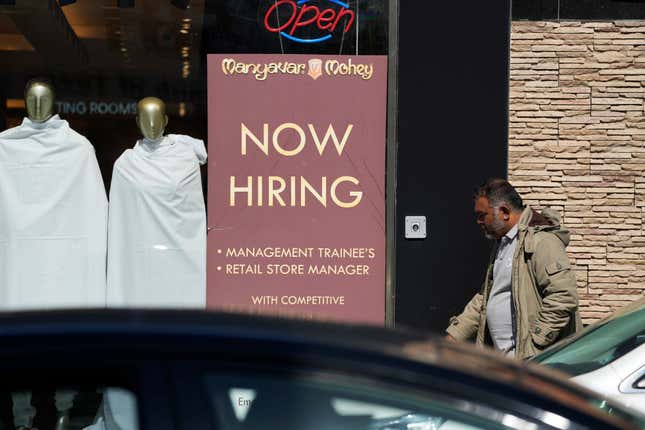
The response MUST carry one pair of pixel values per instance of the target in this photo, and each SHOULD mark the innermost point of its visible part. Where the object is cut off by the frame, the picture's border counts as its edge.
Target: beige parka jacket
(543, 289)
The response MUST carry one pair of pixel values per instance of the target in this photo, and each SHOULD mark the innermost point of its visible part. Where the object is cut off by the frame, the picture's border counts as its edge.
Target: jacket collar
(525, 219)
(526, 234)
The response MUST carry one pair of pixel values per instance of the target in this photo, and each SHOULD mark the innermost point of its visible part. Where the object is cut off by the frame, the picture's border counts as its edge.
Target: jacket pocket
(557, 267)
(529, 348)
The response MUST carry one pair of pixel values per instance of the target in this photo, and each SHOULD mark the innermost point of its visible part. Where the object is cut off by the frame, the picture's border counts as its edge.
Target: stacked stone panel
(577, 144)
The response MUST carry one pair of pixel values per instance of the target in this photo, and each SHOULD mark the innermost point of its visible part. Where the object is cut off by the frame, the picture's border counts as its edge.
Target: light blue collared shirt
(499, 313)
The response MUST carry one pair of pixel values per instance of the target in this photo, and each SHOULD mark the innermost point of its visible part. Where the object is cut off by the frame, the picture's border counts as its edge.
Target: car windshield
(599, 344)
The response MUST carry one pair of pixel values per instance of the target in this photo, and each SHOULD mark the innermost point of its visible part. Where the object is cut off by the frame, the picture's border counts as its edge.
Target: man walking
(528, 300)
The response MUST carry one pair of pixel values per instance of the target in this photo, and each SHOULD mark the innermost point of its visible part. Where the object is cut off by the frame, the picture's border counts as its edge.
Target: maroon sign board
(296, 185)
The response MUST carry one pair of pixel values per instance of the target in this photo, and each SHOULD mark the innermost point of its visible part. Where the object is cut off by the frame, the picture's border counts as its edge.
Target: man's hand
(449, 338)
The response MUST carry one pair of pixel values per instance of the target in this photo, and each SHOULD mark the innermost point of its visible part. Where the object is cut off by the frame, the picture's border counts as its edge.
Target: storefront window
(103, 56)
(178, 67)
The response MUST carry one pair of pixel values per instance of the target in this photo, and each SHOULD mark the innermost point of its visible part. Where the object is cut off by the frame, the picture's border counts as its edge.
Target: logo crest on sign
(315, 68)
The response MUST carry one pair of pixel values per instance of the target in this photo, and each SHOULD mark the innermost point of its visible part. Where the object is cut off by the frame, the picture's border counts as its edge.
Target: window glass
(355, 27)
(104, 56)
(293, 402)
(69, 408)
(575, 10)
(599, 345)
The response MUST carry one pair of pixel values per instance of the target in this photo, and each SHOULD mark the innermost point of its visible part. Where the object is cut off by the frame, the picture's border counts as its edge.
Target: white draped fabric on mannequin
(53, 218)
(157, 226)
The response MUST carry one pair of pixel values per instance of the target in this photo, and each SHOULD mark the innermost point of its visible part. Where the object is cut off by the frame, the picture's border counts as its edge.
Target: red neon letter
(274, 7)
(299, 23)
(343, 12)
(322, 18)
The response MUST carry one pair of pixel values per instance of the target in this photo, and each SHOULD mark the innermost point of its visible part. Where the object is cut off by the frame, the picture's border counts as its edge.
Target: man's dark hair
(499, 191)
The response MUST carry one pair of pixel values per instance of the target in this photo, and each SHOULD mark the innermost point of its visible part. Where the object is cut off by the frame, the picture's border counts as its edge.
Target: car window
(69, 408)
(290, 402)
(598, 346)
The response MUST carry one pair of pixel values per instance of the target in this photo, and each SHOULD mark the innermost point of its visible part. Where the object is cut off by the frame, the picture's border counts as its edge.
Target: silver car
(608, 356)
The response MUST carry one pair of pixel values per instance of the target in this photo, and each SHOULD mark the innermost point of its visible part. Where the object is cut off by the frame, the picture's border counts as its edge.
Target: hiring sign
(296, 181)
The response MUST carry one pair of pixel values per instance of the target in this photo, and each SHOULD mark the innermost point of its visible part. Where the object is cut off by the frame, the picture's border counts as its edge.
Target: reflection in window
(241, 400)
(287, 402)
(599, 345)
(69, 408)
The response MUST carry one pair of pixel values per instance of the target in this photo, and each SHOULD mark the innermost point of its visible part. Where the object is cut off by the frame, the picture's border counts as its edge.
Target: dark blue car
(167, 370)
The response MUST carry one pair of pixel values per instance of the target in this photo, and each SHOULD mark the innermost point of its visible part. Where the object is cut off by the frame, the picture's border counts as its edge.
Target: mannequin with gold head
(68, 196)
(39, 100)
(157, 213)
(151, 118)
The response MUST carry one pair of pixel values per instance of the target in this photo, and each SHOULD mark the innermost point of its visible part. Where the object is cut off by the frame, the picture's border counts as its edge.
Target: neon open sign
(304, 16)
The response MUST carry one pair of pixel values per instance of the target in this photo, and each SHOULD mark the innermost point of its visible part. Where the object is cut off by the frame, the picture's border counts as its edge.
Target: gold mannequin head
(39, 100)
(151, 117)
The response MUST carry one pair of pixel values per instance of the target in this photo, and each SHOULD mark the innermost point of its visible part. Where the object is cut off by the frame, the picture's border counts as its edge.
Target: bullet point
(219, 251)
(219, 267)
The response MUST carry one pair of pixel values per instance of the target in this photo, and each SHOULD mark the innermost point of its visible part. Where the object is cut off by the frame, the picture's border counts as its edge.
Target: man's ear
(506, 212)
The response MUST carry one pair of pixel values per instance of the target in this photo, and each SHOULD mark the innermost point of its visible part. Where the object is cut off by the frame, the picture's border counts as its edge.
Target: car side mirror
(634, 383)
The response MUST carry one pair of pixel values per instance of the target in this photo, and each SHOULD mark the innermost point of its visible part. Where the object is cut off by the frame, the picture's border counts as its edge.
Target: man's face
(489, 219)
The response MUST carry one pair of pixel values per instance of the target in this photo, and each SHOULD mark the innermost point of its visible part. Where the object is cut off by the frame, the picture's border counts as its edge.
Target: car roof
(403, 342)
(198, 332)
